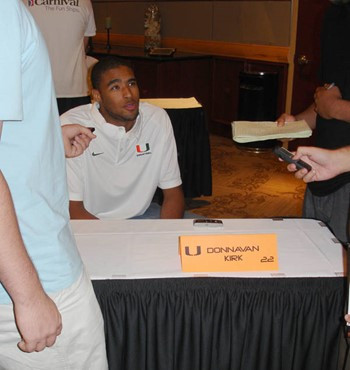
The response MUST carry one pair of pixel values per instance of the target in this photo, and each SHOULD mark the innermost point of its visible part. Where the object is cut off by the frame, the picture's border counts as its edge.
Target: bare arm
(341, 110)
(86, 42)
(78, 212)
(326, 164)
(330, 104)
(309, 115)
(173, 203)
(37, 317)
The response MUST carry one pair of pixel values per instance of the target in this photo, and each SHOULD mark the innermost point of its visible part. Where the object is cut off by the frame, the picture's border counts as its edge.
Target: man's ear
(96, 97)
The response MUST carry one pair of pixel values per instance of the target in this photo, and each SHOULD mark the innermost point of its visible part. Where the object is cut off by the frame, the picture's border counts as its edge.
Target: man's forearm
(17, 272)
(341, 159)
(341, 110)
(78, 212)
(173, 204)
(171, 210)
(309, 115)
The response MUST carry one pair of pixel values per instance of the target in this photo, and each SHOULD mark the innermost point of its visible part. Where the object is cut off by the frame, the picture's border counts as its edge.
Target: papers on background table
(174, 103)
(248, 131)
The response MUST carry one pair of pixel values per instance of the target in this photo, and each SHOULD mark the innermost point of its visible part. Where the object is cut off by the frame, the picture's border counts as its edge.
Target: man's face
(118, 95)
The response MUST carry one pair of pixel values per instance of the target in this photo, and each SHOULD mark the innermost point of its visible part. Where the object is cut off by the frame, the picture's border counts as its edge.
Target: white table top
(141, 249)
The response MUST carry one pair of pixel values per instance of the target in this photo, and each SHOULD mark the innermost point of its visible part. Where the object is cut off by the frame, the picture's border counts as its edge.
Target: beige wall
(250, 22)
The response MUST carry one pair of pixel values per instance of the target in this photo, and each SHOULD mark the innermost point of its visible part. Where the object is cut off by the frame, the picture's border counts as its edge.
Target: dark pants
(333, 209)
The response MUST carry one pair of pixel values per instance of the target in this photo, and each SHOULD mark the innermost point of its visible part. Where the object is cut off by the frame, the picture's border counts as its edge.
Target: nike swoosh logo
(95, 154)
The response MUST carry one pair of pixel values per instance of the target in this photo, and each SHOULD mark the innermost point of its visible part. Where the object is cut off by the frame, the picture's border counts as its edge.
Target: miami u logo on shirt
(142, 148)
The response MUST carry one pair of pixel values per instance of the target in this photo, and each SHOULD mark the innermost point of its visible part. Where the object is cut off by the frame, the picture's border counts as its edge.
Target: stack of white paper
(174, 103)
(248, 131)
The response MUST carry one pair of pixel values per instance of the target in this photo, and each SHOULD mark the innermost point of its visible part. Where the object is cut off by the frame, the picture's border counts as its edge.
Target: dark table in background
(181, 75)
(193, 146)
(192, 141)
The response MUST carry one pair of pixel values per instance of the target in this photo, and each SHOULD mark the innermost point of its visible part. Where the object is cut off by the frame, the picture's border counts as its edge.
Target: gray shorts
(332, 209)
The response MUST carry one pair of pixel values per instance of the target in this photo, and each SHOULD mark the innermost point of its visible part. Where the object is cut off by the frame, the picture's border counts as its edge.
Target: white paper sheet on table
(174, 103)
(135, 249)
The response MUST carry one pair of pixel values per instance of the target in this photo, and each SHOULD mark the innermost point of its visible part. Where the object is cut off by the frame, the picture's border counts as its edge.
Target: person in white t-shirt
(66, 27)
(134, 152)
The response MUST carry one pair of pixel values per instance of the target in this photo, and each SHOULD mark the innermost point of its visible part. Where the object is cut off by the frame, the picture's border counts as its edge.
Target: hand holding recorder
(288, 156)
(324, 164)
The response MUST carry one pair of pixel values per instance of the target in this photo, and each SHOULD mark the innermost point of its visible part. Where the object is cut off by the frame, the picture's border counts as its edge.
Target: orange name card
(215, 253)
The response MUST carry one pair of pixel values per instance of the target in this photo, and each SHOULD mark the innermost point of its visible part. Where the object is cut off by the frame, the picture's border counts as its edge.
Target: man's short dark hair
(104, 65)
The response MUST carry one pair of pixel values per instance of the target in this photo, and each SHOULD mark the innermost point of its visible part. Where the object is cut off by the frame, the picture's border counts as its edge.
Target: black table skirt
(192, 140)
(222, 323)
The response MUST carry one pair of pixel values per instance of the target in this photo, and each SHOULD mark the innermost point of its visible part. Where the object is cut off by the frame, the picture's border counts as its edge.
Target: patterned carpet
(248, 185)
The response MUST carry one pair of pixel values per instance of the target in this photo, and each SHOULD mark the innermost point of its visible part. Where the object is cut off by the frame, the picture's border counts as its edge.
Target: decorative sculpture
(152, 28)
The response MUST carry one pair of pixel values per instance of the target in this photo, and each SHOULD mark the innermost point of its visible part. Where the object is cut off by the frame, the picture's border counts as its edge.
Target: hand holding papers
(248, 131)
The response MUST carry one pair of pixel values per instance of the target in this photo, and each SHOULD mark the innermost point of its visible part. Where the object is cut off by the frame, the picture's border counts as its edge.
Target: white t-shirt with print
(64, 28)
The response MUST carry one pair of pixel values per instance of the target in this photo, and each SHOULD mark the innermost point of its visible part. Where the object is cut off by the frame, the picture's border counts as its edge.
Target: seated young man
(134, 152)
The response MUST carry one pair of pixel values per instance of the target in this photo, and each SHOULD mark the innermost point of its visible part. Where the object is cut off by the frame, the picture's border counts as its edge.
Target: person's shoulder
(78, 114)
(86, 4)
(144, 105)
(14, 4)
(10, 8)
(10, 4)
(150, 111)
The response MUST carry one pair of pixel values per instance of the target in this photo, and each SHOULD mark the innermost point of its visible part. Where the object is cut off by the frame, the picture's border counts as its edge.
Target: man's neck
(128, 125)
